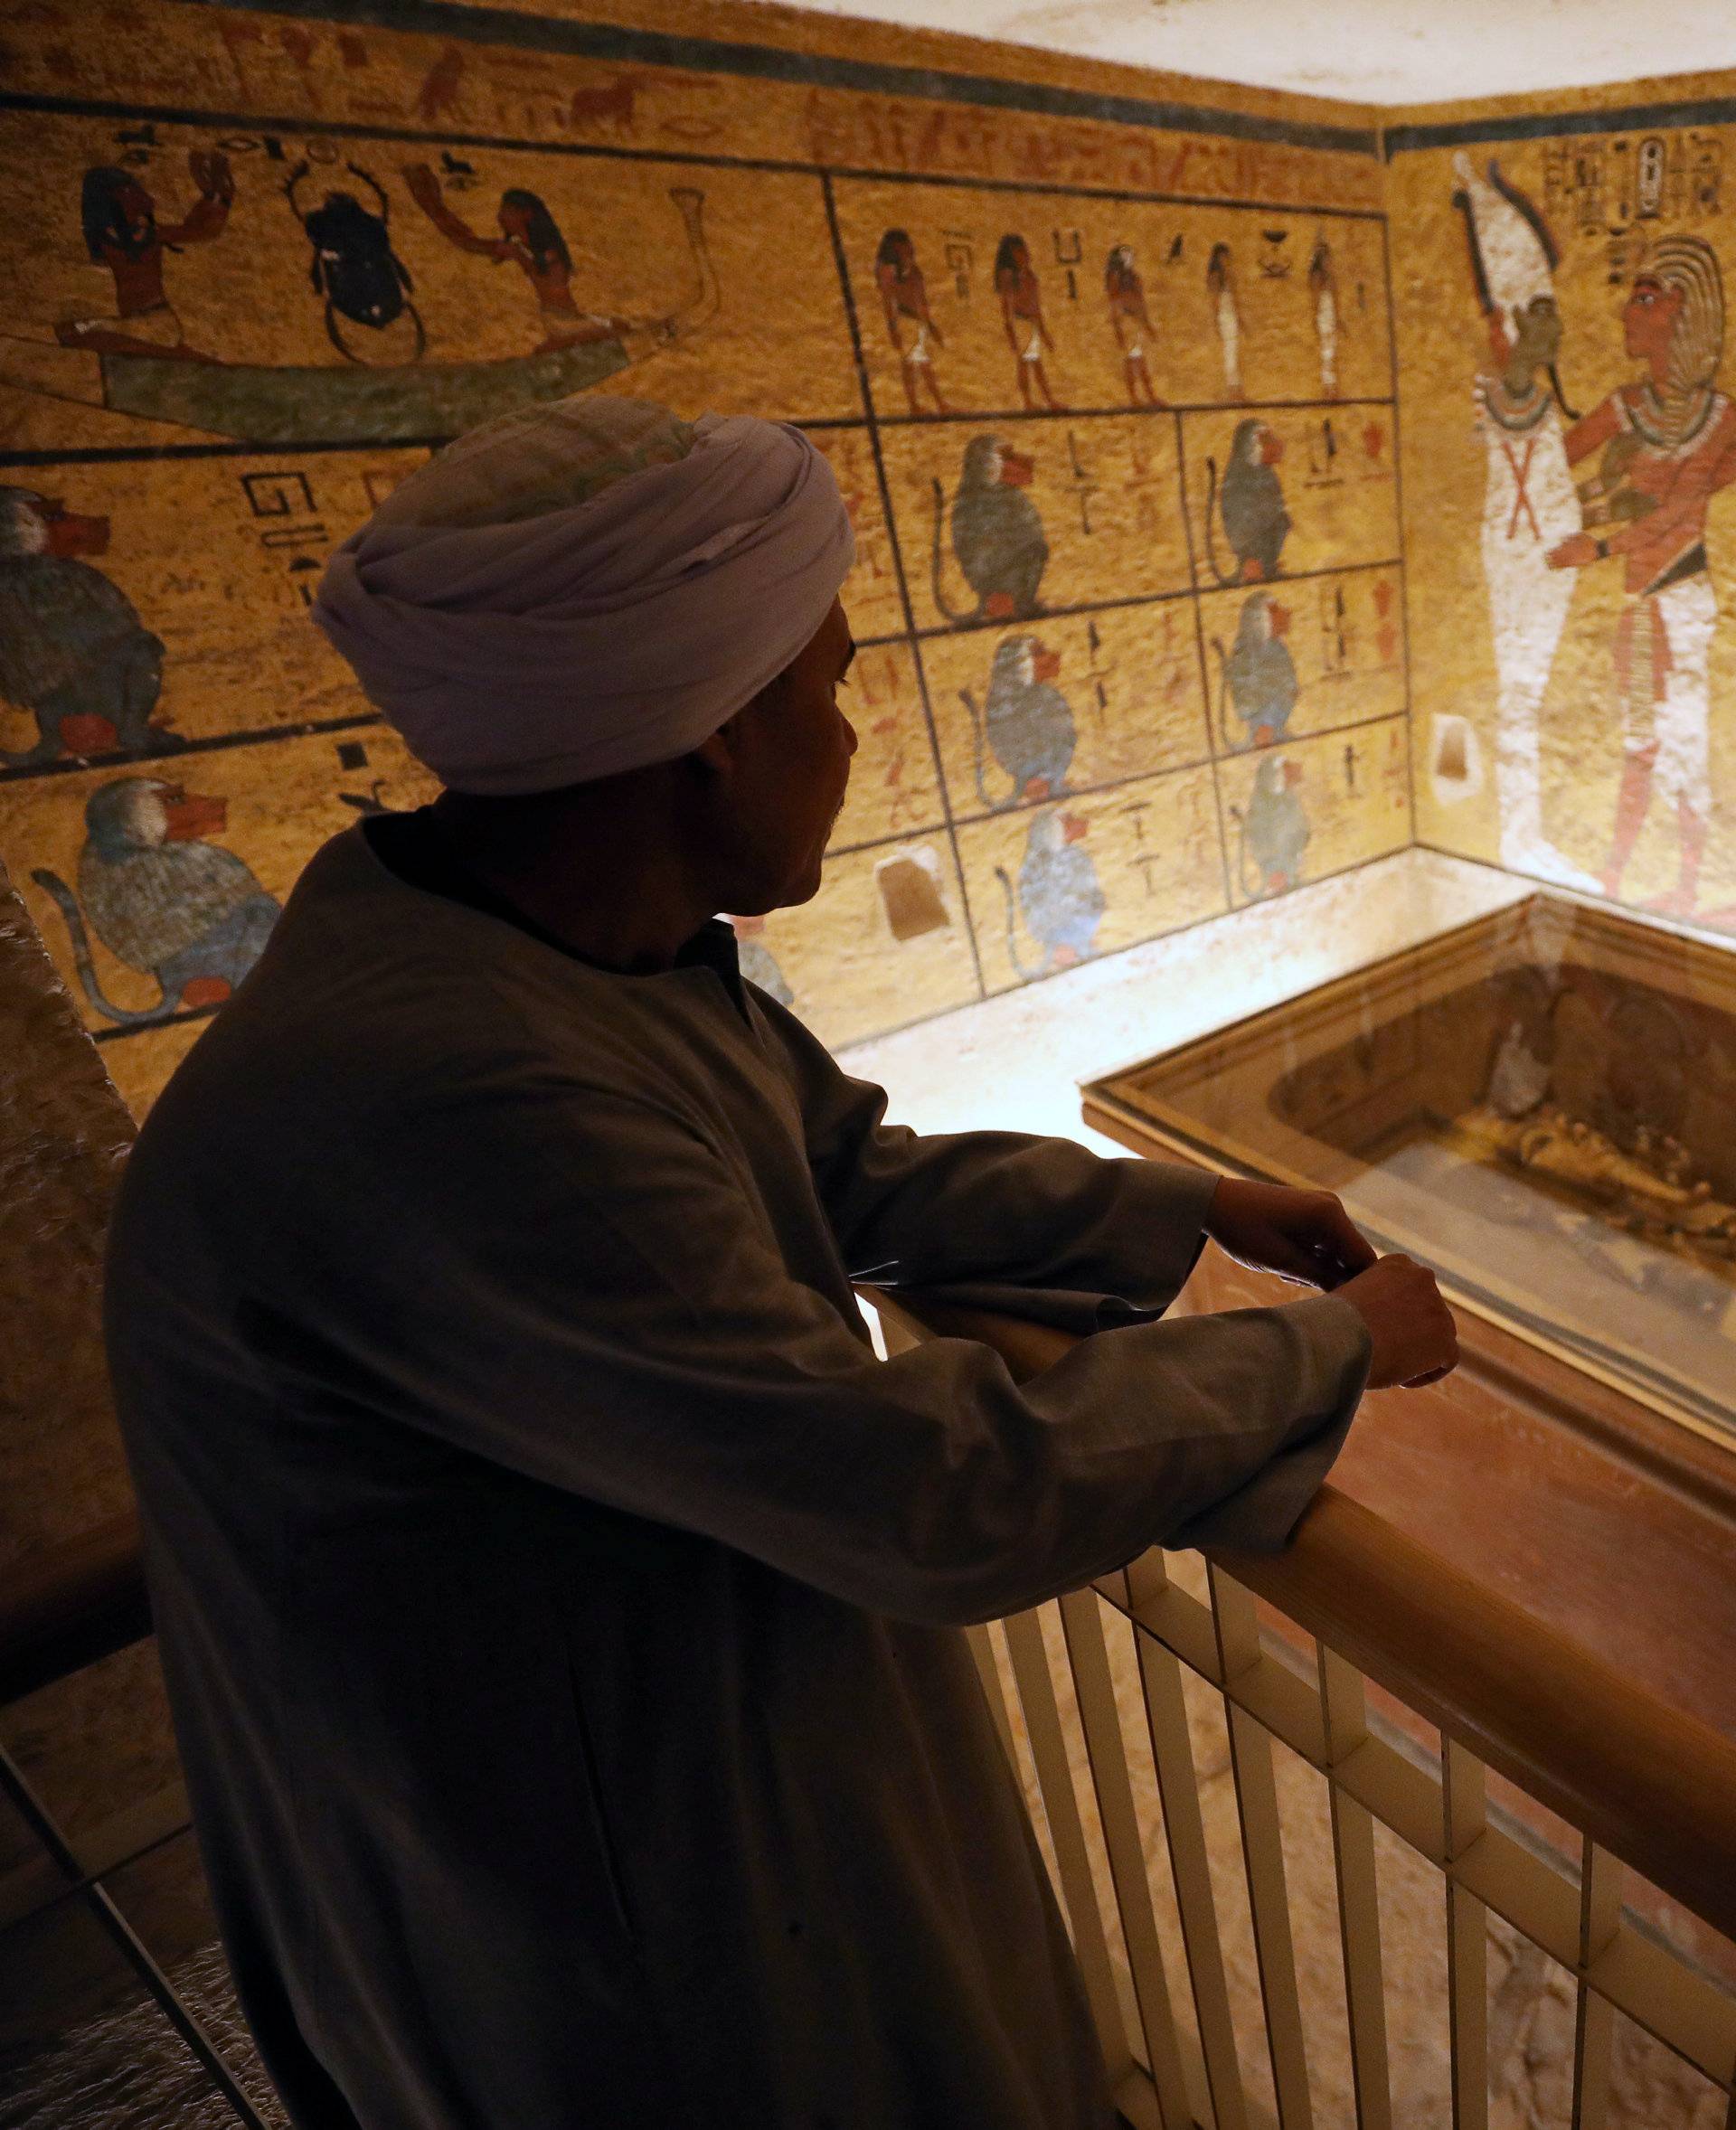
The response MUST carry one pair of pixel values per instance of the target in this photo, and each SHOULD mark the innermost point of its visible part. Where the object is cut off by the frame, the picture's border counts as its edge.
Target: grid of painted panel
(1112, 407)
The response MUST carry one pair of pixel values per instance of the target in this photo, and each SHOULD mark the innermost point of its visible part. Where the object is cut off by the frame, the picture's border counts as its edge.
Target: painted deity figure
(1667, 445)
(1322, 286)
(1221, 286)
(118, 215)
(530, 238)
(1130, 322)
(910, 325)
(1027, 331)
(1529, 504)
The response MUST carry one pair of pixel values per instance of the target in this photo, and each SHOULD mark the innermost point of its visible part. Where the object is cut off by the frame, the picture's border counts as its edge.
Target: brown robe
(560, 1602)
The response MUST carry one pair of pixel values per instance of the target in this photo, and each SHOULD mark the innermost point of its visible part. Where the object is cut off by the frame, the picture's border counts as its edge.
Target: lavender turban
(586, 587)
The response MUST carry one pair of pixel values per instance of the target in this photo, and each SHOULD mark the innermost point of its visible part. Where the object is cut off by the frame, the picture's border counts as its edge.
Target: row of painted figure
(148, 367)
(76, 656)
(918, 340)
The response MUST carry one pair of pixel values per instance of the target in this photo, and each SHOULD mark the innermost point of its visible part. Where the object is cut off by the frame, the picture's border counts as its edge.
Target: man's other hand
(1301, 1235)
(1414, 1337)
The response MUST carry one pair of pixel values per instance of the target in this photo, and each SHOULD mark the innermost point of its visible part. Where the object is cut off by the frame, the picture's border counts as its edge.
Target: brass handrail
(1648, 1782)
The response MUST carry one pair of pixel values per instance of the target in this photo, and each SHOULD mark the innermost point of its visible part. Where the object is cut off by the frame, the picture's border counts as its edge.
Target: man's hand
(1301, 1235)
(1415, 1339)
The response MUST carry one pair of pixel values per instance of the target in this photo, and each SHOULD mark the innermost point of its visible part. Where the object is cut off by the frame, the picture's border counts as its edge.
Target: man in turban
(560, 1602)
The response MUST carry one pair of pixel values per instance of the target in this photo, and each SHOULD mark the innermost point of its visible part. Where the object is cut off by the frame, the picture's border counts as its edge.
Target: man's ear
(717, 753)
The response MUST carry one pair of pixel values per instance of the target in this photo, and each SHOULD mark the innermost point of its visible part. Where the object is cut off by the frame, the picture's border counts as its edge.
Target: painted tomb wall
(1569, 464)
(1102, 360)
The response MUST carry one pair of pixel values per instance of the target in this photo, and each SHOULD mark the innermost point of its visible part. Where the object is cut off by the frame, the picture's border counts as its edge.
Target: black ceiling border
(460, 22)
(1706, 110)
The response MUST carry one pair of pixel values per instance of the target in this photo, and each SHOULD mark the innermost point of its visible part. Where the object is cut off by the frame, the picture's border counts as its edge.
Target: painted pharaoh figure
(910, 325)
(1131, 324)
(1529, 506)
(1027, 331)
(1667, 445)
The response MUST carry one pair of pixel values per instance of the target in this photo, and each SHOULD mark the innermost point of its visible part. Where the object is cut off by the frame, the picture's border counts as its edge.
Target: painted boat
(257, 403)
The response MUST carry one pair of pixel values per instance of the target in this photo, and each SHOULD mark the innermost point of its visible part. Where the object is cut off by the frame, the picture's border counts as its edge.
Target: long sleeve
(996, 1219)
(596, 1301)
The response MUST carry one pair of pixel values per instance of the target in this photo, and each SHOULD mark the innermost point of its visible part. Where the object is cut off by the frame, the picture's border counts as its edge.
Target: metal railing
(1105, 1699)
(1227, 1994)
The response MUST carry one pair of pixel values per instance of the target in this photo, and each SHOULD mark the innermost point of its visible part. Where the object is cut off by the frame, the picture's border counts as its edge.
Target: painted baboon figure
(1028, 724)
(904, 298)
(1272, 836)
(74, 651)
(1256, 522)
(997, 536)
(1060, 896)
(161, 898)
(1257, 678)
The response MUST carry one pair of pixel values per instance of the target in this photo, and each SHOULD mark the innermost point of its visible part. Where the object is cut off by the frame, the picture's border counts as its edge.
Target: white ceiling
(1373, 50)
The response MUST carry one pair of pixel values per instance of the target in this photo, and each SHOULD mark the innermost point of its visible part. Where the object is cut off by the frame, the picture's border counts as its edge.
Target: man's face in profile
(793, 768)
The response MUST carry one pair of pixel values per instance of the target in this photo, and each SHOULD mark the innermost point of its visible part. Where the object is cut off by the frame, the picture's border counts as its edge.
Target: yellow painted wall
(1499, 641)
(723, 179)
(1120, 748)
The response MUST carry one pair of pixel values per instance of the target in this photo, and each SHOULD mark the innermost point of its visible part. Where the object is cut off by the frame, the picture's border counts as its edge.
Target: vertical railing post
(1237, 1628)
(1465, 1813)
(1036, 1686)
(1108, 1757)
(1593, 2017)
(1359, 1904)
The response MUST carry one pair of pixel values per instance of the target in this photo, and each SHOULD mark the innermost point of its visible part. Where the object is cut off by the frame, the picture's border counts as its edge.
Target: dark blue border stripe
(1706, 110)
(614, 41)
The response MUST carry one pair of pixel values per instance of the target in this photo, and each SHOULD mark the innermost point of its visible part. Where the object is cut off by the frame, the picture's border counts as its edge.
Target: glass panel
(1542, 1105)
